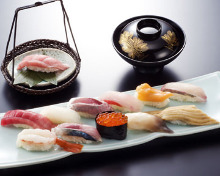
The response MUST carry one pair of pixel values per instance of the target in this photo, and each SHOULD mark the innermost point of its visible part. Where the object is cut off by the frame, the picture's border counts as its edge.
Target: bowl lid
(148, 38)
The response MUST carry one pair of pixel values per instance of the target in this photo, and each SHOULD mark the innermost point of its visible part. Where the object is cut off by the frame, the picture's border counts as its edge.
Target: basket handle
(36, 4)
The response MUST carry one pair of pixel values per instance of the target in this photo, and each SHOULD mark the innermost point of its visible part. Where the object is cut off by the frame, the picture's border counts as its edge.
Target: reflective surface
(102, 69)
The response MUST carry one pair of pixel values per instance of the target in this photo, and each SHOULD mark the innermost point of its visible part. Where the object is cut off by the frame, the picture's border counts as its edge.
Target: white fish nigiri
(185, 92)
(57, 114)
(148, 122)
(122, 101)
(36, 139)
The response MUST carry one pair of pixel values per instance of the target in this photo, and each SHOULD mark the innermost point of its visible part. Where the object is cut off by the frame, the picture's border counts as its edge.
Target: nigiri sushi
(148, 122)
(26, 119)
(122, 101)
(58, 114)
(42, 63)
(152, 97)
(36, 139)
(185, 92)
(186, 115)
(88, 107)
(79, 133)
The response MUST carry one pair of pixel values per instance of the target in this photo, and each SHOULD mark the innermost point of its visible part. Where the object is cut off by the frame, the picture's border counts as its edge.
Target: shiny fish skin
(185, 92)
(148, 122)
(88, 107)
(79, 133)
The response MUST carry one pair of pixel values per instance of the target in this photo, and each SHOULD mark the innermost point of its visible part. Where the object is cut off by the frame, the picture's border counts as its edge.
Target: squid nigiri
(26, 119)
(152, 97)
(88, 107)
(185, 92)
(42, 63)
(36, 139)
(122, 101)
(79, 133)
(58, 114)
(148, 122)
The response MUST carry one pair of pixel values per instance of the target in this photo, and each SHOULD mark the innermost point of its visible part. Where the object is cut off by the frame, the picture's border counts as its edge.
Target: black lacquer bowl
(148, 42)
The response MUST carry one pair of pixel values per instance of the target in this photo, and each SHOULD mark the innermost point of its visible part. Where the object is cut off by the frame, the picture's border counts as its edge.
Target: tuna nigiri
(88, 107)
(26, 119)
(185, 92)
(79, 133)
(152, 97)
(42, 63)
(122, 101)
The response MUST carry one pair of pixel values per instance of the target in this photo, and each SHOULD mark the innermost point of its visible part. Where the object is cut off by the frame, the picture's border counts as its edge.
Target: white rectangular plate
(10, 156)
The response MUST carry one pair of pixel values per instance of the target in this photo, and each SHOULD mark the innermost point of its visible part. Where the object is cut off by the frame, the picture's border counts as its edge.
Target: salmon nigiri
(42, 63)
(151, 96)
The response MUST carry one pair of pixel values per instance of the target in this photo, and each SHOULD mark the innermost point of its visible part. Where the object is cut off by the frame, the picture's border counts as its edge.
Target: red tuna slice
(42, 63)
(28, 118)
(89, 106)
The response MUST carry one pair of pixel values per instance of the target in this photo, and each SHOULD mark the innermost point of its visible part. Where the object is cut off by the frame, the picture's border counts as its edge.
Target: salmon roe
(111, 119)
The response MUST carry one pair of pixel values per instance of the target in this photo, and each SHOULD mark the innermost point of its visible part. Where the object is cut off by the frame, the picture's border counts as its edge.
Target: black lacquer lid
(148, 41)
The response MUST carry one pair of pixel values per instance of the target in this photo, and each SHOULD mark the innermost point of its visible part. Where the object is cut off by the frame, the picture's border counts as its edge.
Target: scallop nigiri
(79, 133)
(36, 139)
(88, 107)
(151, 96)
(148, 122)
(26, 119)
(185, 92)
(42, 63)
(122, 101)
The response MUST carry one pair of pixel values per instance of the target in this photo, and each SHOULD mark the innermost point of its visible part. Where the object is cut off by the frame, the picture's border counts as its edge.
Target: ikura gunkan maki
(112, 125)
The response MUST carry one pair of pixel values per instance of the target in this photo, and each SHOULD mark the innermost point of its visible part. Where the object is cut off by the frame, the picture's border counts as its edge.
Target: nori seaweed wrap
(112, 125)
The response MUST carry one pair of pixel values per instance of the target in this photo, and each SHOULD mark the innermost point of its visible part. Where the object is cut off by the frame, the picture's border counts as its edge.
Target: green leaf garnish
(32, 78)
(48, 77)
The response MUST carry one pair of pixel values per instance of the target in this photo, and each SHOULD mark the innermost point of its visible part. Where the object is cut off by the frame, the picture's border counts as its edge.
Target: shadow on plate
(132, 79)
(24, 101)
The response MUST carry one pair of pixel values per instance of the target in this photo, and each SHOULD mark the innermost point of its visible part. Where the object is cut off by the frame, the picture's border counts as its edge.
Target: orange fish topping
(146, 93)
(111, 119)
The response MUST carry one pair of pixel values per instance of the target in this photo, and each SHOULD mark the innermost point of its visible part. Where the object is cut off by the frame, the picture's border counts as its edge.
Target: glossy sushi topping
(111, 119)
(42, 63)
(146, 93)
